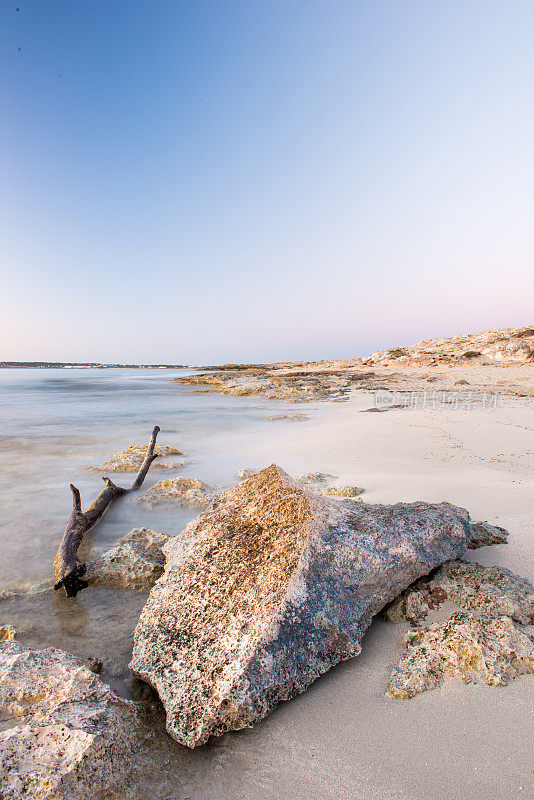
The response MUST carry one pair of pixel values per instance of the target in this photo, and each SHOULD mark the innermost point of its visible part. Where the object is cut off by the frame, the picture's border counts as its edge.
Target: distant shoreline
(82, 365)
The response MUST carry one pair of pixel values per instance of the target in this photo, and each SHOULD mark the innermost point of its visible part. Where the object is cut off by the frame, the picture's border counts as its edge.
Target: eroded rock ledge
(269, 588)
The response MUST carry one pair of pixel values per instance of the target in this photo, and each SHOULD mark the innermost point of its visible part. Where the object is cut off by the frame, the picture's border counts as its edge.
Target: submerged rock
(484, 535)
(65, 734)
(130, 460)
(343, 491)
(184, 490)
(135, 560)
(489, 590)
(271, 587)
(472, 647)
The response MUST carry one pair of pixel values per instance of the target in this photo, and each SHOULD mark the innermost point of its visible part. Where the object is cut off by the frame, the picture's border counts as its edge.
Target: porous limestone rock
(469, 646)
(489, 590)
(65, 735)
(7, 632)
(135, 560)
(484, 535)
(269, 588)
(130, 460)
(184, 490)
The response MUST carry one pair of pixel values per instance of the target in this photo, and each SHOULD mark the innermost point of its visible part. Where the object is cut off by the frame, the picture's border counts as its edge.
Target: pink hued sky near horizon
(204, 182)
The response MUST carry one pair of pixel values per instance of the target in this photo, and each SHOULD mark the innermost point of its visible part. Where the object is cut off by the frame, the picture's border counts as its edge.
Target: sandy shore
(342, 738)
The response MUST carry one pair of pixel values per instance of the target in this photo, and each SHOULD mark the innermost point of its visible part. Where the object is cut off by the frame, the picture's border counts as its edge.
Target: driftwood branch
(68, 569)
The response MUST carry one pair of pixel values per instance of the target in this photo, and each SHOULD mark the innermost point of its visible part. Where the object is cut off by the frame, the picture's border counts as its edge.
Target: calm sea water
(55, 423)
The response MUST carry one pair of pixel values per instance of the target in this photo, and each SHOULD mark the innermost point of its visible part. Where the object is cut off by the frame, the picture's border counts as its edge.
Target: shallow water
(55, 423)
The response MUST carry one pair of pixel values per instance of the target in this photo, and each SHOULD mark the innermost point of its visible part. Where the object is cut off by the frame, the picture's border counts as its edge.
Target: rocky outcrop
(471, 647)
(135, 561)
(489, 590)
(183, 490)
(269, 588)
(130, 460)
(498, 345)
(65, 734)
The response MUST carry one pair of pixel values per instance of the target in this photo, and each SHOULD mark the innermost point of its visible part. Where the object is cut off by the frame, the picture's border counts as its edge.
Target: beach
(342, 738)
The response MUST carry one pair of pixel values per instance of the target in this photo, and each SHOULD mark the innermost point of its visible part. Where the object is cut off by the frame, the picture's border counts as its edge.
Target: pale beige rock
(130, 460)
(246, 473)
(468, 646)
(488, 590)
(135, 561)
(65, 734)
(343, 491)
(184, 490)
(269, 588)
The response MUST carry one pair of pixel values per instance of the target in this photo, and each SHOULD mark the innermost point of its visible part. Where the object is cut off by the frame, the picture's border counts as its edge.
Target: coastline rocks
(184, 490)
(271, 587)
(468, 646)
(135, 561)
(343, 491)
(130, 460)
(65, 734)
(493, 591)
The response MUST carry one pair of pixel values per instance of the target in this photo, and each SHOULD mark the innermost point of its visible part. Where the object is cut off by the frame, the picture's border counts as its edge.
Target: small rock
(184, 490)
(468, 646)
(462, 382)
(246, 473)
(135, 561)
(94, 664)
(343, 491)
(314, 478)
(289, 417)
(130, 460)
(489, 590)
(484, 535)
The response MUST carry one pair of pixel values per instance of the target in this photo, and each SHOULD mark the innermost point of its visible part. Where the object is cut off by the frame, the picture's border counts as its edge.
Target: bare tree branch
(68, 569)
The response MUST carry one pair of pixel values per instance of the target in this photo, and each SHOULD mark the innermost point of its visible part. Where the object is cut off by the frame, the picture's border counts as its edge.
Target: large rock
(65, 734)
(472, 647)
(269, 588)
(135, 561)
(130, 460)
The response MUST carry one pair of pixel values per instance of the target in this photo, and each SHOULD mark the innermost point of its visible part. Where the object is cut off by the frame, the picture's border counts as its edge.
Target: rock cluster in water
(135, 561)
(269, 588)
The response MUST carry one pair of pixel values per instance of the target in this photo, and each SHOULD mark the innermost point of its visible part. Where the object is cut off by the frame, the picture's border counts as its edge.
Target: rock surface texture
(472, 647)
(271, 587)
(65, 734)
(135, 561)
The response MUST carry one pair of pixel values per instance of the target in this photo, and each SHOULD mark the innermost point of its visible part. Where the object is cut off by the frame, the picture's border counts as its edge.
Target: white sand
(342, 739)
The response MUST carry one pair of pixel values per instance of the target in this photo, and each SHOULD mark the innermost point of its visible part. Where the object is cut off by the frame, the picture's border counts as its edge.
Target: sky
(194, 181)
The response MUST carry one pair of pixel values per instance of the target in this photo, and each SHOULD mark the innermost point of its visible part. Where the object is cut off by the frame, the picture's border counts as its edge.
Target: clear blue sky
(192, 181)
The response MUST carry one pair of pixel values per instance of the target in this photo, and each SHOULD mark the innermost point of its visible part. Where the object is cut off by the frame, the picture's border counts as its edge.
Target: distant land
(82, 365)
